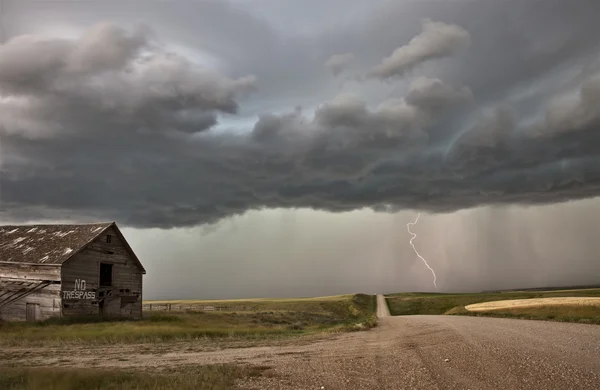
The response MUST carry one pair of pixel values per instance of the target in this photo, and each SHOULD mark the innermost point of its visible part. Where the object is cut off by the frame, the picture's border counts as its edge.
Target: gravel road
(382, 307)
(444, 352)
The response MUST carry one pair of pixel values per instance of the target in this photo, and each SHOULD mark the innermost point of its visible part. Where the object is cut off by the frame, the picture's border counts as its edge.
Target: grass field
(256, 305)
(454, 304)
(268, 318)
(215, 377)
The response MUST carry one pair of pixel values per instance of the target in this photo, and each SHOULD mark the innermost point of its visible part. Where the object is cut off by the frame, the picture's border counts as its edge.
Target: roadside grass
(282, 319)
(211, 377)
(585, 314)
(454, 304)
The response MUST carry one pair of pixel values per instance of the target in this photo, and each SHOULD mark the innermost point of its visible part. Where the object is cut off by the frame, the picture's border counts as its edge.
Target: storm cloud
(117, 123)
(50, 83)
(438, 40)
(338, 63)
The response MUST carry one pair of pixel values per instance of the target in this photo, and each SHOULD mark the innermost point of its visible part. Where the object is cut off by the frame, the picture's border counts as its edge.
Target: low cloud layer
(114, 124)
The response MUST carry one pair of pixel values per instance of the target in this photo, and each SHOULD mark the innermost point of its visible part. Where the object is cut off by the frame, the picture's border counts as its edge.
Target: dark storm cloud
(113, 125)
(31, 63)
(434, 95)
(51, 83)
(437, 40)
(576, 114)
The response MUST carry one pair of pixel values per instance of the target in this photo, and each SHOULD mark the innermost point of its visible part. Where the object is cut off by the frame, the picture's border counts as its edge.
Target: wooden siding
(48, 297)
(81, 292)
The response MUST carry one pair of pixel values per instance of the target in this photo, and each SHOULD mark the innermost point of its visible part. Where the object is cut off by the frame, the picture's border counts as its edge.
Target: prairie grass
(264, 302)
(212, 377)
(317, 304)
(282, 319)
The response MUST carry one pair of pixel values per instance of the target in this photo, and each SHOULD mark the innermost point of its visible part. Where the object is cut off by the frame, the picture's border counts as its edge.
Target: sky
(279, 148)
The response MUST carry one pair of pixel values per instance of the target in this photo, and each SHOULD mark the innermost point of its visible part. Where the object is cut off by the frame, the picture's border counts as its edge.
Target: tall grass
(352, 312)
(214, 377)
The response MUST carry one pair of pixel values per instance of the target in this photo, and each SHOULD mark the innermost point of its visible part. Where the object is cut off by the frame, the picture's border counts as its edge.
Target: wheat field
(534, 302)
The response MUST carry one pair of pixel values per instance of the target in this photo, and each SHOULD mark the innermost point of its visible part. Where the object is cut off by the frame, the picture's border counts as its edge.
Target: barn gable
(110, 230)
(104, 278)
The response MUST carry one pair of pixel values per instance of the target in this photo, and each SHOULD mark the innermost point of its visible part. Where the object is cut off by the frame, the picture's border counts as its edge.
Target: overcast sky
(279, 148)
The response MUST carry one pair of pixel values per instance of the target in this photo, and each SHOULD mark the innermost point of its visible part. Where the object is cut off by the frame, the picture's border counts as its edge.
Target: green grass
(274, 318)
(437, 304)
(189, 378)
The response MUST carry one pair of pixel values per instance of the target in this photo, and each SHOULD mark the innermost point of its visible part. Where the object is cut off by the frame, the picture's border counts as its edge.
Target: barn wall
(48, 298)
(81, 292)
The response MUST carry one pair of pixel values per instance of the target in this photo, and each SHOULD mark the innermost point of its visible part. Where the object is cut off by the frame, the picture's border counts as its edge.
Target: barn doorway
(32, 312)
(106, 275)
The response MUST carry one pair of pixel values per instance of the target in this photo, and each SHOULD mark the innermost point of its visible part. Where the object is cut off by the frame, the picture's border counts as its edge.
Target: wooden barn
(68, 270)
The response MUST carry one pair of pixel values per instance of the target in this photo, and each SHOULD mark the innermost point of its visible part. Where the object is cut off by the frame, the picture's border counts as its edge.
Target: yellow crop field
(534, 302)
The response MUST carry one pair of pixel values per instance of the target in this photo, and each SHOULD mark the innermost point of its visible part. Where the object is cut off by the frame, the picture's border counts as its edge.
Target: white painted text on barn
(79, 291)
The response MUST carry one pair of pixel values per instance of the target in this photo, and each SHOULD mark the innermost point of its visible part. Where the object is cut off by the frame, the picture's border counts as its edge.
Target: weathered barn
(68, 270)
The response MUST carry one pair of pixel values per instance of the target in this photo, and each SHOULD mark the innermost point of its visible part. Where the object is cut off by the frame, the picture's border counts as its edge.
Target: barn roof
(48, 244)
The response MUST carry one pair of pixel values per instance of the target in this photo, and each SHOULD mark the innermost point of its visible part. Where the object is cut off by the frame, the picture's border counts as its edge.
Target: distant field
(318, 304)
(251, 300)
(454, 304)
(262, 319)
(534, 302)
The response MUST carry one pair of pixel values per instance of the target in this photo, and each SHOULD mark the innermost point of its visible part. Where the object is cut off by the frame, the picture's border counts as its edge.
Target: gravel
(443, 352)
(382, 307)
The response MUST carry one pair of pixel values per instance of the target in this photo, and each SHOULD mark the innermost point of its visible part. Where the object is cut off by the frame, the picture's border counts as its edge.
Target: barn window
(106, 275)
(108, 238)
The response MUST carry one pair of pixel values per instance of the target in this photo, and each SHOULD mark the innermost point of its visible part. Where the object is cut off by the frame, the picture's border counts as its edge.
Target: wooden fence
(191, 307)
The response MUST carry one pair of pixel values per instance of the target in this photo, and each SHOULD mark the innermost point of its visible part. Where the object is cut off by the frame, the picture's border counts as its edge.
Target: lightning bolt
(408, 225)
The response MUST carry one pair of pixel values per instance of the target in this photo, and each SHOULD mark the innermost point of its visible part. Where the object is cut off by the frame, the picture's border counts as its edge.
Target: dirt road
(443, 352)
(382, 307)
